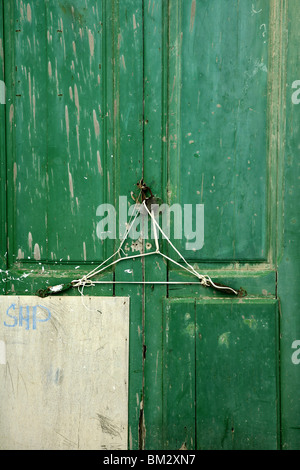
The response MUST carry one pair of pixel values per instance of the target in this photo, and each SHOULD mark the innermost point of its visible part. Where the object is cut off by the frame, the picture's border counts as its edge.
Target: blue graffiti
(25, 316)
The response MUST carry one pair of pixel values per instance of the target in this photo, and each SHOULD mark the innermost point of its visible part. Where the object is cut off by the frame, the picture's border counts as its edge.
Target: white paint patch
(91, 43)
(37, 252)
(57, 288)
(11, 115)
(30, 241)
(29, 16)
(49, 69)
(78, 142)
(29, 87)
(96, 124)
(123, 61)
(193, 13)
(99, 163)
(2, 92)
(2, 353)
(76, 100)
(33, 110)
(70, 182)
(15, 172)
(20, 254)
(67, 121)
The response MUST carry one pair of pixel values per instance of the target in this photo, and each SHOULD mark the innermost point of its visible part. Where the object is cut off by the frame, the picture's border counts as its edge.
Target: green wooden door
(199, 98)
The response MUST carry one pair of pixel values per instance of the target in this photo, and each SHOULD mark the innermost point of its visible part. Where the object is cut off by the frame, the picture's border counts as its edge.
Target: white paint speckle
(37, 252)
(99, 163)
(91, 42)
(49, 69)
(29, 17)
(96, 124)
(70, 182)
(67, 121)
(134, 21)
(76, 100)
(30, 241)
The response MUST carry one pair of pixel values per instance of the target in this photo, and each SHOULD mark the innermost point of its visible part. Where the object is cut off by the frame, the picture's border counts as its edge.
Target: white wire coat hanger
(88, 281)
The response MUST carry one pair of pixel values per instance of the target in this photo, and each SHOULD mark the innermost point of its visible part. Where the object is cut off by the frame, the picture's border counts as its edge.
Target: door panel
(218, 124)
(60, 64)
(221, 370)
(222, 153)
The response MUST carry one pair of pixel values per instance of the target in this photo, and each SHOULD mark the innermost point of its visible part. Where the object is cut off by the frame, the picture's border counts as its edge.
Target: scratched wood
(289, 254)
(64, 373)
(128, 135)
(192, 95)
(220, 98)
(59, 117)
(218, 82)
(215, 380)
(2, 150)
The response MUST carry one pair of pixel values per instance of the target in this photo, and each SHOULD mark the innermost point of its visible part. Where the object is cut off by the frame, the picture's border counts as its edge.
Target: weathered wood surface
(64, 372)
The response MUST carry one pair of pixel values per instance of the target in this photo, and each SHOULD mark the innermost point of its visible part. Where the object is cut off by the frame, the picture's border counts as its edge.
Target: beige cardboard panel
(64, 372)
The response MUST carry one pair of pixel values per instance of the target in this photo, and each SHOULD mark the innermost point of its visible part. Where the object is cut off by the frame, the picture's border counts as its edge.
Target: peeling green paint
(223, 339)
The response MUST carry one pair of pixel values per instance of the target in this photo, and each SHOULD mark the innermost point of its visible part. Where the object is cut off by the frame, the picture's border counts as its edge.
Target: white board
(64, 372)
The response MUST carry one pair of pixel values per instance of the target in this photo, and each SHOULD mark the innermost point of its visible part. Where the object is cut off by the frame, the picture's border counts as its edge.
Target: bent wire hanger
(86, 281)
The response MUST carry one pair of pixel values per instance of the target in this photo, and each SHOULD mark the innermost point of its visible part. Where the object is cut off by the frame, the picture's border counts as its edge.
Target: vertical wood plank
(77, 169)
(179, 375)
(28, 131)
(3, 225)
(155, 68)
(237, 375)
(288, 252)
(128, 147)
(218, 123)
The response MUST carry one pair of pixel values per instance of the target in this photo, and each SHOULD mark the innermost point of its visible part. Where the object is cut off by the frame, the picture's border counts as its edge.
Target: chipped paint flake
(96, 124)
(37, 252)
(15, 172)
(30, 241)
(134, 21)
(67, 121)
(76, 98)
(11, 115)
(100, 169)
(223, 339)
(49, 69)
(29, 16)
(193, 13)
(91, 42)
(70, 182)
